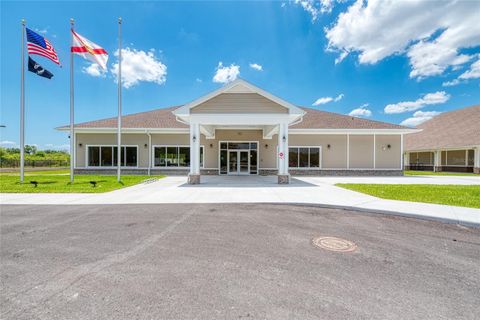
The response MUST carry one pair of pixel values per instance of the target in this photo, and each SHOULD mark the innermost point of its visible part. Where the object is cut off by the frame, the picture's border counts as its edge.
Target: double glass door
(238, 162)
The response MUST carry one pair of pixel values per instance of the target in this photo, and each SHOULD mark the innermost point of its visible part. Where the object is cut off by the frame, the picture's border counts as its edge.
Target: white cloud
(325, 100)
(452, 83)
(138, 65)
(43, 31)
(316, 7)
(428, 99)
(419, 117)
(94, 70)
(256, 66)
(431, 33)
(473, 73)
(226, 74)
(361, 112)
(8, 144)
(199, 80)
(60, 147)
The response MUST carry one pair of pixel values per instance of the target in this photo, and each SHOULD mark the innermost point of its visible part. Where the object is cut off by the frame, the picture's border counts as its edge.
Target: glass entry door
(238, 162)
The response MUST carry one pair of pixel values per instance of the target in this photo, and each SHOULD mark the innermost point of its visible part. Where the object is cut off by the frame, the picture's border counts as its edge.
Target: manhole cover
(334, 244)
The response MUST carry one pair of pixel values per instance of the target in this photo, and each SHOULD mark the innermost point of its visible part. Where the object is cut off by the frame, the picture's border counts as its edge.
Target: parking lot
(232, 261)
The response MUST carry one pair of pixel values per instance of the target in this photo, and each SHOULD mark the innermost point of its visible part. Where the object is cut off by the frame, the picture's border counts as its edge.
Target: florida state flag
(89, 50)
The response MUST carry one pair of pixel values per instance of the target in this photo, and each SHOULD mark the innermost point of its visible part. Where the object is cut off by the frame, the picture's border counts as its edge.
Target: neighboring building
(241, 129)
(447, 142)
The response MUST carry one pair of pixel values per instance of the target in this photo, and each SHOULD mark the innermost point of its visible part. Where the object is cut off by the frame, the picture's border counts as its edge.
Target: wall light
(211, 145)
(194, 138)
(284, 138)
(145, 145)
(328, 146)
(266, 146)
(80, 145)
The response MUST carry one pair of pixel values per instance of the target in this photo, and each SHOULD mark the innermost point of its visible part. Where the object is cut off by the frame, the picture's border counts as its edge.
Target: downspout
(149, 152)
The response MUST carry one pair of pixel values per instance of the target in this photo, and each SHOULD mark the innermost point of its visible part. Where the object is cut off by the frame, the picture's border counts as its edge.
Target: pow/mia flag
(38, 69)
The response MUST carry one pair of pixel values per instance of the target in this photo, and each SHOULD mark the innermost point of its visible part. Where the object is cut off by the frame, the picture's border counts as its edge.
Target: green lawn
(454, 195)
(431, 173)
(49, 183)
(37, 173)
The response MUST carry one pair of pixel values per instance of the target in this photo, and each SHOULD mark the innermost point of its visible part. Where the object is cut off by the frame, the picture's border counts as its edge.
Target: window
(106, 156)
(471, 156)
(173, 156)
(304, 157)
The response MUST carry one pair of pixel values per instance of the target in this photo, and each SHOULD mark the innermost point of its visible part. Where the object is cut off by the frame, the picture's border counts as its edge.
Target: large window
(106, 156)
(304, 157)
(173, 156)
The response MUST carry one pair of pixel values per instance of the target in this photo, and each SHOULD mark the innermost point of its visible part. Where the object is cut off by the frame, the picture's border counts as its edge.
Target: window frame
(87, 159)
(298, 160)
(178, 146)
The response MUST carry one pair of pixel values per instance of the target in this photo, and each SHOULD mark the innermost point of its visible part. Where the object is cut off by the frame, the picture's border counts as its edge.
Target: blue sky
(389, 71)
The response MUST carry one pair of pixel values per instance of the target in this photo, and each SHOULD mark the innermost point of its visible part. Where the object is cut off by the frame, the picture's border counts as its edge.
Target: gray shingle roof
(452, 129)
(163, 118)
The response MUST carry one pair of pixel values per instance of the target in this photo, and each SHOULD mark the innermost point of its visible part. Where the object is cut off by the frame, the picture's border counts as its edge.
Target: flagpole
(119, 121)
(72, 114)
(22, 107)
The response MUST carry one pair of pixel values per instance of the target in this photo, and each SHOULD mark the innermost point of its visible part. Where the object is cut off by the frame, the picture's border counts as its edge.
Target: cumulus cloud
(226, 74)
(473, 72)
(8, 144)
(428, 99)
(361, 112)
(419, 117)
(316, 7)
(325, 100)
(95, 70)
(139, 65)
(451, 83)
(256, 66)
(431, 33)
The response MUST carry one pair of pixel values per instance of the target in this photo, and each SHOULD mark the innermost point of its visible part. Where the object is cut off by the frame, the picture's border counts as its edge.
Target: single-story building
(241, 129)
(447, 142)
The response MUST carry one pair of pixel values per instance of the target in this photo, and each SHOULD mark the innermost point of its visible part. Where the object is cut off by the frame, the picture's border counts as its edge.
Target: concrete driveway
(232, 261)
(260, 189)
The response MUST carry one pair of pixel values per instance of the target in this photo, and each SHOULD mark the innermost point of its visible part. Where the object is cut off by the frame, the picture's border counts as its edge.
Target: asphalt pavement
(232, 261)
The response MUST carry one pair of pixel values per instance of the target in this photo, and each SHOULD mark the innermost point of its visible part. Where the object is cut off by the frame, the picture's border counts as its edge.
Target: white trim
(100, 156)
(129, 130)
(353, 131)
(174, 145)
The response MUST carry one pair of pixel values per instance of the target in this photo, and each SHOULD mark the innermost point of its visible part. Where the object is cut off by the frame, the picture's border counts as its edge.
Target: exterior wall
(361, 151)
(335, 157)
(267, 147)
(86, 139)
(239, 103)
(386, 158)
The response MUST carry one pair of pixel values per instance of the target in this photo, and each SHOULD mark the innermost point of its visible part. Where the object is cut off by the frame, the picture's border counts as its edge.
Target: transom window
(304, 157)
(173, 156)
(106, 156)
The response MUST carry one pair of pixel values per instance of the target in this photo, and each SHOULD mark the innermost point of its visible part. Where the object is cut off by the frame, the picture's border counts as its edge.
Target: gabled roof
(237, 86)
(165, 119)
(458, 128)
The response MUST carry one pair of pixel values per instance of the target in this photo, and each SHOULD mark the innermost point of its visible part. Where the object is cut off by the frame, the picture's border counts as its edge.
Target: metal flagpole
(119, 120)
(72, 129)
(22, 107)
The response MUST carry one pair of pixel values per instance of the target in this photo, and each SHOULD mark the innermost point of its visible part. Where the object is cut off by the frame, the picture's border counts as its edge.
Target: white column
(476, 160)
(437, 160)
(194, 149)
(281, 150)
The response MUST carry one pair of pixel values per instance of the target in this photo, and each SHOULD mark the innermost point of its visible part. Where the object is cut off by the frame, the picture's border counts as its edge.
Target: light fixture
(80, 145)
(328, 146)
(266, 146)
(194, 138)
(211, 145)
(145, 145)
(284, 138)
(389, 146)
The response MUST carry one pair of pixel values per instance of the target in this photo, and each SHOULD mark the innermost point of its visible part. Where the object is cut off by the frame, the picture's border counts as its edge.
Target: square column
(194, 175)
(437, 161)
(476, 160)
(283, 175)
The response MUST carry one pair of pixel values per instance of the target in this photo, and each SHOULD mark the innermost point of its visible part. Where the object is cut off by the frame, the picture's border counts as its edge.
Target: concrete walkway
(257, 189)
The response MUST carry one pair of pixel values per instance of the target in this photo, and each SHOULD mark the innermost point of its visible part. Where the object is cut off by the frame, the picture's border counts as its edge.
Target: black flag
(38, 69)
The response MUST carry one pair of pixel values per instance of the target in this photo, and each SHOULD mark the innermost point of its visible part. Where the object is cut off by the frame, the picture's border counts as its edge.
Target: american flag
(36, 44)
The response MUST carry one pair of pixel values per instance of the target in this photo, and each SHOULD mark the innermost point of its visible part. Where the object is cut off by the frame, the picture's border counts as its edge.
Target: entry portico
(239, 106)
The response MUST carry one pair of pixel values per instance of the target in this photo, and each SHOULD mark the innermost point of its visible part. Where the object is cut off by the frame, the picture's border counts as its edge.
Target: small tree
(31, 150)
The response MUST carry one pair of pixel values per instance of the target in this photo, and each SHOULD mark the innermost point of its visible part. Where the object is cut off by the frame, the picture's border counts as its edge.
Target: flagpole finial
(72, 21)
(119, 20)
(23, 22)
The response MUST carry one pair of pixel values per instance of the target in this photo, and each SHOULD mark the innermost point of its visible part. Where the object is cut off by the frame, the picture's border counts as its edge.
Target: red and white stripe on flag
(48, 52)
(89, 50)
